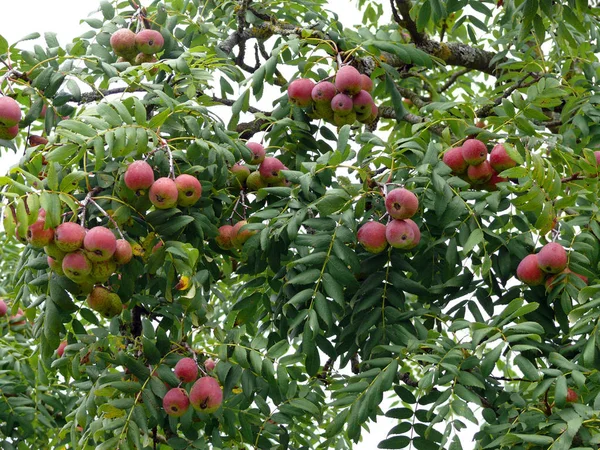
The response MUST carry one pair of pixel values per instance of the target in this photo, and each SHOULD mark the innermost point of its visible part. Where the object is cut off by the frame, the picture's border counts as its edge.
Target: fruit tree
(244, 224)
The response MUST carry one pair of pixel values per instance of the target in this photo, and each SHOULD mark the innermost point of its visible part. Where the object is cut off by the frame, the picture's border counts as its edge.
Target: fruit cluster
(136, 48)
(267, 174)
(233, 236)
(17, 319)
(471, 159)
(205, 395)
(10, 116)
(400, 232)
(164, 193)
(545, 266)
(342, 102)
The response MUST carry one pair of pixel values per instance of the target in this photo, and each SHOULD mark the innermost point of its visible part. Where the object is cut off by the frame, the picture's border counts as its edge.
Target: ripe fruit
(241, 174)
(474, 151)
(361, 102)
(323, 92)
(597, 156)
(176, 402)
(480, 173)
(186, 370)
(76, 266)
(490, 185)
(552, 258)
(139, 176)
(400, 234)
(529, 272)
(189, 190)
(454, 159)
(100, 244)
(372, 237)
(37, 236)
(18, 318)
(10, 112)
(550, 281)
(401, 203)
(239, 238)
(224, 237)
(254, 182)
(299, 92)
(34, 140)
(123, 252)
(61, 348)
(572, 396)
(366, 83)
(341, 104)
(164, 193)
(210, 364)
(3, 308)
(123, 43)
(416, 234)
(258, 151)
(206, 395)
(69, 236)
(149, 41)
(500, 160)
(348, 80)
(270, 169)
(8, 133)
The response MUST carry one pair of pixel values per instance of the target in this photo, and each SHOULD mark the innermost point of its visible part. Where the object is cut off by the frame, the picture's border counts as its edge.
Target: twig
(93, 202)
(455, 76)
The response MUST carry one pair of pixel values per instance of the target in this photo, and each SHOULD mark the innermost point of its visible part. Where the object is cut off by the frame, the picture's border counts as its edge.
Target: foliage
(310, 331)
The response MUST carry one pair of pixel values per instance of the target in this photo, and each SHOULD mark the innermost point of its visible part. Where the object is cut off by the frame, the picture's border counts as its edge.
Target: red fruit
(76, 266)
(37, 236)
(454, 159)
(8, 133)
(597, 155)
(529, 272)
(490, 185)
(239, 236)
(149, 41)
(341, 104)
(550, 282)
(416, 234)
(3, 308)
(139, 176)
(572, 396)
(480, 173)
(552, 258)
(299, 92)
(189, 190)
(323, 92)
(474, 151)
(164, 193)
(100, 244)
(34, 140)
(210, 364)
(366, 83)
(206, 395)
(361, 102)
(176, 402)
(401, 203)
(18, 318)
(348, 80)
(400, 234)
(258, 151)
(61, 349)
(186, 370)
(10, 112)
(69, 236)
(270, 169)
(142, 58)
(372, 237)
(123, 252)
(224, 237)
(500, 160)
(123, 42)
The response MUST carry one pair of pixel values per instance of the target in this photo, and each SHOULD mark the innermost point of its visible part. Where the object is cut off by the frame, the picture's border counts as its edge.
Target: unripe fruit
(186, 370)
(490, 185)
(480, 173)
(102, 270)
(61, 349)
(98, 299)
(341, 104)
(52, 250)
(572, 396)
(254, 182)
(176, 402)
(299, 92)
(323, 111)
(239, 238)
(37, 236)
(10, 112)
(366, 83)
(224, 238)
(346, 119)
(323, 92)
(500, 160)
(258, 151)
(206, 395)
(123, 252)
(348, 80)
(100, 244)
(550, 282)
(241, 174)
(189, 190)
(9, 133)
(3, 308)
(454, 159)
(142, 58)
(34, 140)
(401, 203)
(361, 103)
(529, 272)
(400, 234)
(149, 41)
(372, 237)
(270, 169)
(210, 364)
(76, 266)
(139, 176)
(115, 306)
(164, 193)
(69, 236)
(474, 151)
(552, 258)
(123, 42)
(55, 265)
(17, 319)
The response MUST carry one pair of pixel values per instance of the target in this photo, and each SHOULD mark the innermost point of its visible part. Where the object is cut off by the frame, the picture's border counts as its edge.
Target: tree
(309, 329)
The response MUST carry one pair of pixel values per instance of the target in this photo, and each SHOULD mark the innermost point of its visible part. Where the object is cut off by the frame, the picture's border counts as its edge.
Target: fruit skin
(361, 102)
(474, 151)
(239, 238)
(186, 370)
(100, 244)
(52, 250)
(176, 402)
(323, 111)
(55, 265)
(206, 395)
(500, 160)
(76, 266)
(139, 176)
(9, 133)
(348, 80)
(37, 236)
(481, 173)
(102, 270)
(529, 272)
(346, 119)
(552, 258)
(400, 234)
(454, 159)
(10, 112)
(299, 92)
(149, 41)
(550, 280)
(123, 252)
(323, 92)
(3, 308)
(210, 364)
(189, 190)
(490, 185)
(224, 237)
(258, 151)
(17, 319)
(254, 182)
(164, 193)
(123, 43)
(366, 83)
(99, 298)
(416, 234)
(597, 156)
(61, 348)
(372, 237)
(69, 236)
(401, 203)
(572, 396)
(270, 169)
(142, 58)
(241, 174)
(342, 105)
